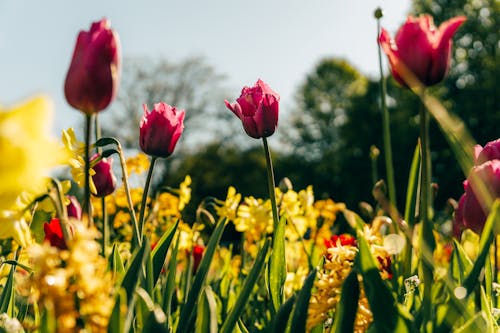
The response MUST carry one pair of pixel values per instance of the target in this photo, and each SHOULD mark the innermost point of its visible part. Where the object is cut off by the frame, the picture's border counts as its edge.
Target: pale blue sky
(278, 41)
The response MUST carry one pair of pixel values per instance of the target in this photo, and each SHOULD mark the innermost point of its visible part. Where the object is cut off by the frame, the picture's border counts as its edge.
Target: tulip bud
(92, 79)
(104, 178)
(472, 211)
(422, 48)
(160, 129)
(73, 207)
(258, 109)
(491, 151)
(197, 256)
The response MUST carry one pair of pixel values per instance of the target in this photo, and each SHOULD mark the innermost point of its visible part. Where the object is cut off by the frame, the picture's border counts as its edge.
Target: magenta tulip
(258, 109)
(491, 151)
(423, 49)
(472, 210)
(160, 129)
(104, 179)
(73, 207)
(92, 79)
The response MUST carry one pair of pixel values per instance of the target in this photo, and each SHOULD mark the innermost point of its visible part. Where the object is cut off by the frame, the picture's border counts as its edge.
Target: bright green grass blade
(159, 253)
(116, 263)
(187, 309)
(206, 319)
(277, 265)
(7, 297)
(246, 290)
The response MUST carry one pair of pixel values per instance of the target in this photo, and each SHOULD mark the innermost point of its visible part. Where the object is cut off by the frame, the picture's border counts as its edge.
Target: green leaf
(386, 315)
(277, 265)
(117, 319)
(109, 152)
(154, 318)
(170, 282)
(187, 309)
(345, 313)
(246, 290)
(475, 324)
(106, 141)
(460, 263)
(206, 319)
(130, 281)
(7, 297)
(412, 192)
(159, 253)
(299, 317)
(116, 263)
(484, 245)
(280, 320)
(39, 219)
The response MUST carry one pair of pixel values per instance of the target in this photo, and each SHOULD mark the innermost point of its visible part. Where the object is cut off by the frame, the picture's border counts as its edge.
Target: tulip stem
(386, 130)
(270, 183)
(145, 197)
(123, 164)
(87, 206)
(427, 241)
(104, 212)
(61, 210)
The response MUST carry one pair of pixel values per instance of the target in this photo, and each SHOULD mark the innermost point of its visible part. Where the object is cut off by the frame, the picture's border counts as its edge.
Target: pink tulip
(257, 108)
(472, 211)
(160, 129)
(425, 50)
(104, 178)
(491, 151)
(92, 79)
(74, 209)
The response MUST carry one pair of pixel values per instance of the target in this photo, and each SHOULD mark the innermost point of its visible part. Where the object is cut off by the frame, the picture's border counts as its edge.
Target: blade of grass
(277, 265)
(299, 317)
(159, 253)
(345, 314)
(206, 319)
(246, 290)
(187, 309)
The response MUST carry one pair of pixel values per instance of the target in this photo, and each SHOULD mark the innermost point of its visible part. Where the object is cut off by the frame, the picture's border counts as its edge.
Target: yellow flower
(184, 192)
(137, 164)
(254, 218)
(229, 207)
(26, 149)
(14, 225)
(76, 162)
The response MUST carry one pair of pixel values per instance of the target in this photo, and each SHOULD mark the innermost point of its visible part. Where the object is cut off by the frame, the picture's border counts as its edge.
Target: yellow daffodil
(27, 150)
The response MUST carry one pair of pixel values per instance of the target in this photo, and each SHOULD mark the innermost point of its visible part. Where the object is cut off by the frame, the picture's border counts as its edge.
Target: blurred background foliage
(325, 138)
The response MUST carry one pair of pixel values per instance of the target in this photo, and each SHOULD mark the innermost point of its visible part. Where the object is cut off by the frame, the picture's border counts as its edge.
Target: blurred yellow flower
(184, 192)
(26, 148)
(254, 218)
(14, 225)
(137, 164)
(76, 162)
(229, 207)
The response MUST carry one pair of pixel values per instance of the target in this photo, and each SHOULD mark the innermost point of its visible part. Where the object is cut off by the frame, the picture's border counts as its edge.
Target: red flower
(54, 235)
(197, 255)
(424, 49)
(258, 109)
(160, 129)
(340, 240)
(92, 79)
(104, 179)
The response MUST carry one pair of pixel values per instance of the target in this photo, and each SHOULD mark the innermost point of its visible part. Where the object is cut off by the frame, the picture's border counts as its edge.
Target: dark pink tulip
(160, 129)
(74, 209)
(104, 178)
(491, 151)
(472, 211)
(425, 50)
(92, 79)
(258, 109)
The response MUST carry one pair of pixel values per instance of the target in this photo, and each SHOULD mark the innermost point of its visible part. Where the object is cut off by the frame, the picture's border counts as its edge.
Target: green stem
(427, 241)
(145, 197)
(386, 130)
(105, 226)
(87, 206)
(270, 183)
(61, 210)
(123, 164)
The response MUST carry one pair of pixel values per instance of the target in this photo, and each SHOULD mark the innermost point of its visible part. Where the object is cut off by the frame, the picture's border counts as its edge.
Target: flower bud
(92, 79)
(104, 178)
(258, 109)
(54, 234)
(73, 207)
(160, 129)
(422, 48)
